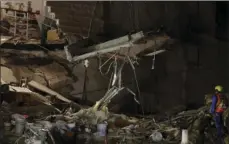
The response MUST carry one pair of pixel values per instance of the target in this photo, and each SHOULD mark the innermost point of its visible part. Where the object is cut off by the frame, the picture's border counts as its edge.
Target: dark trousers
(219, 124)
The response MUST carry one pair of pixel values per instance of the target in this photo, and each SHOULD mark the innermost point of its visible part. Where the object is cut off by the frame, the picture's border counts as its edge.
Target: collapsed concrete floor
(160, 125)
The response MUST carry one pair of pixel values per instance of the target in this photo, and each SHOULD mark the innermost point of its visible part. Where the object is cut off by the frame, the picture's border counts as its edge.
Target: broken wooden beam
(28, 91)
(25, 90)
(49, 91)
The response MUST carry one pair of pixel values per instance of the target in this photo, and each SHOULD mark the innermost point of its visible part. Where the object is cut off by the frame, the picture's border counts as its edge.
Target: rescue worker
(218, 106)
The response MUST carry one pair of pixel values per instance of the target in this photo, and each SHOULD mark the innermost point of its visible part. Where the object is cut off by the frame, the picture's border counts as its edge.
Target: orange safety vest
(220, 105)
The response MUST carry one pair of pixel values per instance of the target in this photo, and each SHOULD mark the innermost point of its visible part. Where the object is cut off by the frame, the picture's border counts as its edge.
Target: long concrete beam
(99, 52)
(118, 41)
(150, 44)
(130, 48)
(109, 46)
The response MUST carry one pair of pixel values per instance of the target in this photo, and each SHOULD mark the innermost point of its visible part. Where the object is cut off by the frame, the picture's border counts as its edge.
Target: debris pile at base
(85, 126)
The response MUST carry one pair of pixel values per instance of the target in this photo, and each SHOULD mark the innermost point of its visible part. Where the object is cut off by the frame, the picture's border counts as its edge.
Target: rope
(154, 57)
(131, 15)
(92, 18)
(109, 67)
(147, 10)
(136, 82)
(114, 64)
(84, 97)
(134, 16)
(17, 140)
(137, 18)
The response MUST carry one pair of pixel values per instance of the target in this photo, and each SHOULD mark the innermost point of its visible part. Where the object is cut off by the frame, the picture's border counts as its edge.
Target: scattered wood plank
(25, 90)
(49, 91)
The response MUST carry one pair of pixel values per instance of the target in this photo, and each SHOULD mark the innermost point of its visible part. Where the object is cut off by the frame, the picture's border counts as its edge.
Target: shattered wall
(16, 65)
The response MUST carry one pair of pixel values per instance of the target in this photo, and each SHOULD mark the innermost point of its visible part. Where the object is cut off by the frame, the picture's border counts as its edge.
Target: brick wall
(114, 17)
(76, 16)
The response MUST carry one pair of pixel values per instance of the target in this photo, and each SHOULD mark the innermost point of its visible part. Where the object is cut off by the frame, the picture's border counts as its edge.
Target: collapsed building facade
(174, 54)
(182, 21)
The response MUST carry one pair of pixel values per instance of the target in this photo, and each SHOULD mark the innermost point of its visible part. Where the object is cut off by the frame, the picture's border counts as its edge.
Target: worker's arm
(213, 105)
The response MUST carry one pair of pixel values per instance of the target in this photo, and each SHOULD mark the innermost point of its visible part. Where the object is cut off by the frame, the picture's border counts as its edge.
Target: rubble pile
(55, 119)
(84, 126)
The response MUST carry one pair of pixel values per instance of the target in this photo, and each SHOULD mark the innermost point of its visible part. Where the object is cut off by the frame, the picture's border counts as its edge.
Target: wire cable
(91, 21)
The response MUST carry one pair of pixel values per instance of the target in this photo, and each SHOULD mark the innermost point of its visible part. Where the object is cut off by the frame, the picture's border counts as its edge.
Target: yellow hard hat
(219, 88)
